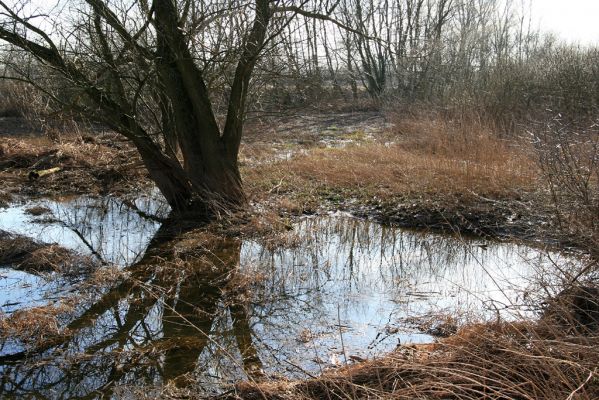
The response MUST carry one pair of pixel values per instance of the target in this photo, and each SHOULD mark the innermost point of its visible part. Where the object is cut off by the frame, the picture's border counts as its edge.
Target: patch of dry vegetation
(428, 168)
(39, 328)
(14, 248)
(36, 327)
(90, 165)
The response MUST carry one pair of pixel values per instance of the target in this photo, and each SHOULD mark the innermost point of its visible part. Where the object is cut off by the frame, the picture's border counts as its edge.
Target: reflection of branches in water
(152, 327)
(361, 253)
(116, 231)
(188, 309)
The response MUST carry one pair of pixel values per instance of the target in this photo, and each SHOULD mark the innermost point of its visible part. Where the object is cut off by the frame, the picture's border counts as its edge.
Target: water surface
(336, 289)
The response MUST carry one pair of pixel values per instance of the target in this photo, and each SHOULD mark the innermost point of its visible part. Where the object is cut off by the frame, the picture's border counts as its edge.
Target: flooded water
(212, 312)
(115, 232)
(19, 289)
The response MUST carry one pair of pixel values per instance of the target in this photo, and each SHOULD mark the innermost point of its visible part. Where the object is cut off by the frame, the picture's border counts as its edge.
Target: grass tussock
(37, 211)
(26, 254)
(488, 361)
(5, 199)
(15, 248)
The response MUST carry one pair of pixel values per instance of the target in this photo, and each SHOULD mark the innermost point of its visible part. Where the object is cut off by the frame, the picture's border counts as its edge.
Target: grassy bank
(424, 171)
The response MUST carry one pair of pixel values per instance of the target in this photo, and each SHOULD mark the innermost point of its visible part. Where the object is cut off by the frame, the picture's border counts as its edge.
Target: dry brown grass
(58, 259)
(387, 170)
(424, 161)
(488, 361)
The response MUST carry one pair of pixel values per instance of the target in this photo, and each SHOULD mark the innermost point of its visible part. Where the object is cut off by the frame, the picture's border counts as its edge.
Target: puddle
(339, 289)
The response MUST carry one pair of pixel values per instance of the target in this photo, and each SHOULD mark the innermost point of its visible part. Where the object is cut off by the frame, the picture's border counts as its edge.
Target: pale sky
(575, 21)
(571, 20)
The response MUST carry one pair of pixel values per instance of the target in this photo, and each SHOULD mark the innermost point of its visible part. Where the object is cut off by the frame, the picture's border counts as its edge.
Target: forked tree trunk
(210, 179)
(206, 180)
(208, 184)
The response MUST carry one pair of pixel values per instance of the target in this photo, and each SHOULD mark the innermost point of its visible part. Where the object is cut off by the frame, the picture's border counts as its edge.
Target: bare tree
(146, 69)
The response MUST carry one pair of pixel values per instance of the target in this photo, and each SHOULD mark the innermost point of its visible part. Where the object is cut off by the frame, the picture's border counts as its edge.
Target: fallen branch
(34, 175)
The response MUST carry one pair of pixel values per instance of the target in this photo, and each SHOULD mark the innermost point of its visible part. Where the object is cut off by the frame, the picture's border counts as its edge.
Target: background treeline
(460, 55)
(482, 56)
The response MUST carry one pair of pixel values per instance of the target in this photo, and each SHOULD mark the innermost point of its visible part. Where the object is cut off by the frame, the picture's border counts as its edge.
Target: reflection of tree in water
(151, 328)
(114, 230)
(189, 314)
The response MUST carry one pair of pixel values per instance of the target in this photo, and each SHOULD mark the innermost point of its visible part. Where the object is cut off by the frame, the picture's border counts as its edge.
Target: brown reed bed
(525, 360)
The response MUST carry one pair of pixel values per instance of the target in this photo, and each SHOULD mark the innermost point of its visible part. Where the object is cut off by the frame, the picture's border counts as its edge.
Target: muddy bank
(527, 219)
(485, 218)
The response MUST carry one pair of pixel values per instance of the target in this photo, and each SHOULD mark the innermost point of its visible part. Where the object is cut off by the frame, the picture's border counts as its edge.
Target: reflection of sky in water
(360, 282)
(106, 225)
(345, 288)
(18, 287)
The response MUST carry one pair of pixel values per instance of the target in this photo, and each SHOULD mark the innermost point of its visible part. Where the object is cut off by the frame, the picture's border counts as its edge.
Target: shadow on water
(211, 310)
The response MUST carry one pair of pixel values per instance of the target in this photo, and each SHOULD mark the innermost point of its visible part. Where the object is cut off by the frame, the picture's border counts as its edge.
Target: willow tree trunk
(125, 67)
(207, 183)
